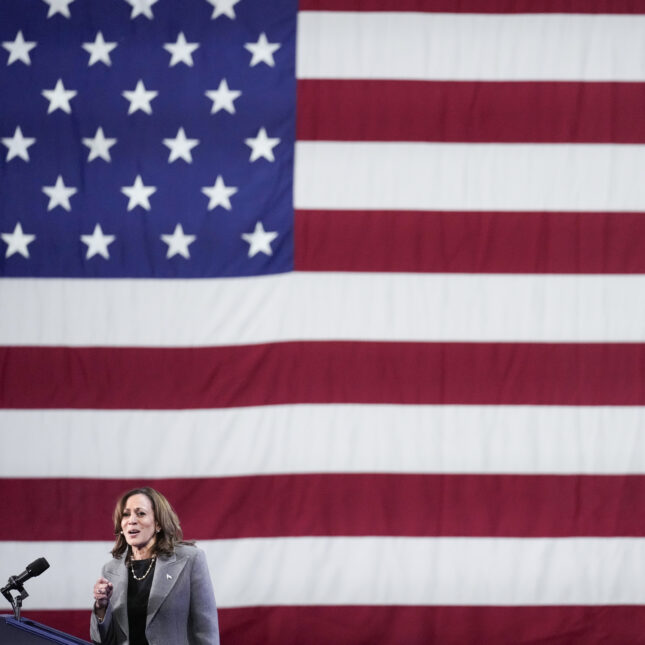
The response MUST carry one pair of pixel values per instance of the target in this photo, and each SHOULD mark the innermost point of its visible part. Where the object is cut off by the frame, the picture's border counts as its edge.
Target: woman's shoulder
(115, 565)
(188, 551)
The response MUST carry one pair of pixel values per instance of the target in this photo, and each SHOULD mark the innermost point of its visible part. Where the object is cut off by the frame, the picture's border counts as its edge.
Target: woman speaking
(157, 589)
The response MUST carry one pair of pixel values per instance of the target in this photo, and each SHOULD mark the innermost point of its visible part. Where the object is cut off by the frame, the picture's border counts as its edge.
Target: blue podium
(29, 632)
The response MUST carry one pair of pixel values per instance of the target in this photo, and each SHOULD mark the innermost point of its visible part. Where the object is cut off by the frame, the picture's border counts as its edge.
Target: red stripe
(323, 372)
(533, 112)
(469, 242)
(361, 625)
(341, 505)
(479, 6)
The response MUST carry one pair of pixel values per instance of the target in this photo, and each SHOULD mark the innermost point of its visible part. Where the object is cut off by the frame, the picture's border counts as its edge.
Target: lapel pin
(168, 576)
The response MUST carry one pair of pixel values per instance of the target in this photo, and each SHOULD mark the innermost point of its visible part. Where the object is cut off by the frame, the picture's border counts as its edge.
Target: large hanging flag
(357, 284)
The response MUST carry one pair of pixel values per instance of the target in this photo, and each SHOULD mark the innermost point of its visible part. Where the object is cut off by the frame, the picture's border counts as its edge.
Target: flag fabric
(357, 284)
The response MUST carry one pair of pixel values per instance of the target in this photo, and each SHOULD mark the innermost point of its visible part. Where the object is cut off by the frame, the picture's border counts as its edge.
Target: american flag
(357, 284)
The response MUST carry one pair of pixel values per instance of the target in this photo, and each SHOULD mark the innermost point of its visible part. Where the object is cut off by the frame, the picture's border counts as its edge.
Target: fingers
(102, 585)
(102, 591)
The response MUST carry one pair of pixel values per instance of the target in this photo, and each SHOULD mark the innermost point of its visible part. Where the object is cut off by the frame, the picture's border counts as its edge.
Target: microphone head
(36, 567)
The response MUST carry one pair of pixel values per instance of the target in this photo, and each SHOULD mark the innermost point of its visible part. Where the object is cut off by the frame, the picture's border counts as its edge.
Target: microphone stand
(16, 602)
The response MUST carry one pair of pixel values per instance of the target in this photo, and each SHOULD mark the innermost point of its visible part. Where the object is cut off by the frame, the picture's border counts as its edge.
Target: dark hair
(170, 533)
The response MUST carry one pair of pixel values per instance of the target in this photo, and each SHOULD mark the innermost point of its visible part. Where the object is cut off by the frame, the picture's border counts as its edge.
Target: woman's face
(138, 522)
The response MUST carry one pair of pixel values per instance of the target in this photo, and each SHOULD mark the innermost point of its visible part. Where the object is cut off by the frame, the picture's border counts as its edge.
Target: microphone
(32, 570)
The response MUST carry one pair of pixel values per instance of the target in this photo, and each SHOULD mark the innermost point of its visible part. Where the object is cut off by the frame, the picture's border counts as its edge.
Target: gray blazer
(181, 606)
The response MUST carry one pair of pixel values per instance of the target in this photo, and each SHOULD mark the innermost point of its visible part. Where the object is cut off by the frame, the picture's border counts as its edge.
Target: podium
(29, 632)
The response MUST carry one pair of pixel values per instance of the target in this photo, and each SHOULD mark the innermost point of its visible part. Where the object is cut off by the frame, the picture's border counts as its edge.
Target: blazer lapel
(119, 578)
(166, 573)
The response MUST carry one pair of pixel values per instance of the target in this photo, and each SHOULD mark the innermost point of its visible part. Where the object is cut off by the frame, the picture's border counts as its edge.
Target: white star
(19, 49)
(138, 194)
(260, 240)
(99, 146)
(97, 243)
(178, 242)
(59, 194)
(17, 242)
(262, 146)
(182, 52)
(180, 146)
(59, 98)
(223, 8)
(223, 98)
(58, 6)
(140, 98)
(219, 194)
(99, 50)
(262, 51)
(141, 7)
(17, 145)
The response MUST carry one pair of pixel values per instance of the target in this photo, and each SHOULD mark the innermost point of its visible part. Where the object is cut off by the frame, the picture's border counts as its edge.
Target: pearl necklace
(143, 577)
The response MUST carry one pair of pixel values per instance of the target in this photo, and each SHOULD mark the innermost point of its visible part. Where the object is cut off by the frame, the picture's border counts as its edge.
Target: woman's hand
(102, 594)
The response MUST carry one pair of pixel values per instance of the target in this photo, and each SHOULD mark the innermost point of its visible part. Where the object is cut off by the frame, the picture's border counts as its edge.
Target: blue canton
(146, 138)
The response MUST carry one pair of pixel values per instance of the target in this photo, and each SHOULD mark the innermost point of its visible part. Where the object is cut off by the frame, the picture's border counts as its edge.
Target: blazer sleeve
(102, 633)
(203, 623)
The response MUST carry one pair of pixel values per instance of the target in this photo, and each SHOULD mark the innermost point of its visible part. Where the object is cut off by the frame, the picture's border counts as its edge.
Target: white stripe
(470, 46)
(323, 439)
(372, 571)
(457, 176)
(323, 306)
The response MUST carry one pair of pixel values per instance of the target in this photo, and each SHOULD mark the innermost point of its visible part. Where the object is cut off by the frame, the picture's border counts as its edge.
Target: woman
(157, 589)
